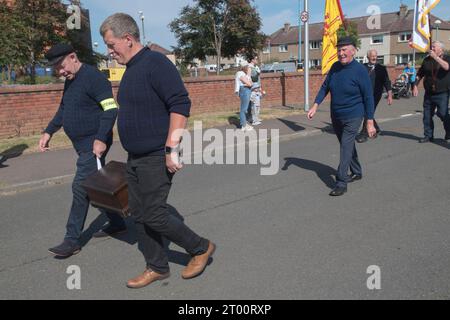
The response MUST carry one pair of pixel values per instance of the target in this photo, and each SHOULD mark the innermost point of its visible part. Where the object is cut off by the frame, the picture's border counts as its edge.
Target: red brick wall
(26, 110)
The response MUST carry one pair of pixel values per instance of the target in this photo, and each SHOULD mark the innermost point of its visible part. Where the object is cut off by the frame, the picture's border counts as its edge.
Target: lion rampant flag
(333, 20)
(421, 29)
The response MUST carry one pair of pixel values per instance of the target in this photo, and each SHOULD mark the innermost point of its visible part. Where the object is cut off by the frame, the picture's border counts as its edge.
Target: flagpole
(412, 34)
(306, 64)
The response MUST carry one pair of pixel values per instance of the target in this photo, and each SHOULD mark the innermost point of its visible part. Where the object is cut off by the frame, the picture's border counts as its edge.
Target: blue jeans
(244, 95)
(346, 131)
(431, 104)
(86, 165)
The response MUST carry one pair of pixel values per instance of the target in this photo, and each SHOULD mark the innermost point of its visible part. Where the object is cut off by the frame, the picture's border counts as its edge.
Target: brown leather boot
(146, 278)
(198, 263)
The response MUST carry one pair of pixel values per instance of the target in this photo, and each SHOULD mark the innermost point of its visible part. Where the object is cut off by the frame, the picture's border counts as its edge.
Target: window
(314, 44)
(266, 49)
(403, 58)
(404, 37)
(283, 48)
(314, 63)
(359, 59)
(378, 39)
(380, 59)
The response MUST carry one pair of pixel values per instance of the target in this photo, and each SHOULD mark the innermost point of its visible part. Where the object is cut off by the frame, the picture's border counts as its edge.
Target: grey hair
(441, 45)
(120, 24)
(371, 50)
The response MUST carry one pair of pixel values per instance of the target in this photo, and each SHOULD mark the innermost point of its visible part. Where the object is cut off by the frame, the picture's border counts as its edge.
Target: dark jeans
(149, 184)
(436, 103)
(346, 131)
(86, 165)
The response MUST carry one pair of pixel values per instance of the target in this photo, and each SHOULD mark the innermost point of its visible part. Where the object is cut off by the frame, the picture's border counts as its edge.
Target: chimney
(403, 10)
(287, 25)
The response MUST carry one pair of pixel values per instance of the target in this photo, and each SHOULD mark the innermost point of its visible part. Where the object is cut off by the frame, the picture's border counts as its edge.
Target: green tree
(13, 46)
(221, 28)
(350, 29)
(42, 23)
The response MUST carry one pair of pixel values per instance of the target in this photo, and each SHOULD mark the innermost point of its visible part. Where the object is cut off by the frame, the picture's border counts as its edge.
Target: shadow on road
(324, 172)
(327, 129)
(13, 152)
(130, 237)
(399, 135)
(292, 125)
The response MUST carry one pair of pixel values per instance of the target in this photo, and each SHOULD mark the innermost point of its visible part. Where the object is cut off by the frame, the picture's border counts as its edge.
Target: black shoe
(108, 231)
(361, 138)
(425, 140)
(65, 249)
(354, 177)
(338, 191)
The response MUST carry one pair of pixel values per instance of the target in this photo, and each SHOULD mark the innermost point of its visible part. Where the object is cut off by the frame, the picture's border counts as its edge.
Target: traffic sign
(304, 16)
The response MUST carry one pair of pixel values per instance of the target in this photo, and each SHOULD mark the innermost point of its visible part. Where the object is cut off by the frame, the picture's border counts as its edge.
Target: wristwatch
(173, 149)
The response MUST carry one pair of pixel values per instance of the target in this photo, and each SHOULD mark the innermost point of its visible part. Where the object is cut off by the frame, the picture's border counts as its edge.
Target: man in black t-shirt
(87, 113)
(435, 71)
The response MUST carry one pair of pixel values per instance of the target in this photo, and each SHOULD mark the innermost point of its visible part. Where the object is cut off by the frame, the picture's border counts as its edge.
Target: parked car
(279, 67)
(212, 68)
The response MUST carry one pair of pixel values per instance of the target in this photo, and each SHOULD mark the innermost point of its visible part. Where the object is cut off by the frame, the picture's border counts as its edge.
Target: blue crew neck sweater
(351, 91)
(151, 88)
(80, 112)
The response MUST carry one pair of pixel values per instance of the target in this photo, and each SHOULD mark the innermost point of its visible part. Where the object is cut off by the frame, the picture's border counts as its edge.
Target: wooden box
(108, 188)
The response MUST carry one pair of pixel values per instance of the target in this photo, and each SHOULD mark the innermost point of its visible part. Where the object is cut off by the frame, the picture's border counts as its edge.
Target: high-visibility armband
(108, 104)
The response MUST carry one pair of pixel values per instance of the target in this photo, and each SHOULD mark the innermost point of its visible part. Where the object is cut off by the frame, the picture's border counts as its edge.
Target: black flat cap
(345, 41)
(58, 52)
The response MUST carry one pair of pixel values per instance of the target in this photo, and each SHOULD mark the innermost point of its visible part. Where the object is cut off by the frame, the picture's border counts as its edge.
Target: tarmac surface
(278, 236)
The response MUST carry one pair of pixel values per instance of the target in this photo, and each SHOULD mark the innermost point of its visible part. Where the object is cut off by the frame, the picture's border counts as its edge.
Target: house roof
(390, 23)
(158, 48)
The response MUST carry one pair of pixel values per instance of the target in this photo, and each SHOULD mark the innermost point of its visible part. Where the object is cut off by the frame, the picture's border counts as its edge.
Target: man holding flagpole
(435, 71)
(436, 74)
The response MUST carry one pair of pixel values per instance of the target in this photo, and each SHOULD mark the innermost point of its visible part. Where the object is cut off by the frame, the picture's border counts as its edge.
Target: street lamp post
(141, 15)
(299, 36)
(306, 64)
(437, 23)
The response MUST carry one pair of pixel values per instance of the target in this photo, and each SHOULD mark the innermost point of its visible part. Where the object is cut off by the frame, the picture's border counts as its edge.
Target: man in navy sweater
(351, 101)
(87, 112)
(154, 106)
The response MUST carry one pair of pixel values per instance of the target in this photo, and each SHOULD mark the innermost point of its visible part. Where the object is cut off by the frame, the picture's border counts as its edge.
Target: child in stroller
(400, 88)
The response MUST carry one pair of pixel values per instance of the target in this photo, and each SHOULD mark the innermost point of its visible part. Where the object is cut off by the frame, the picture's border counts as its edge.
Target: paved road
(278, 237)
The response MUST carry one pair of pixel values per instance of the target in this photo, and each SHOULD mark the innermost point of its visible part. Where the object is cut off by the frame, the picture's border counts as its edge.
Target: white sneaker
(256, 123)
(247, 127)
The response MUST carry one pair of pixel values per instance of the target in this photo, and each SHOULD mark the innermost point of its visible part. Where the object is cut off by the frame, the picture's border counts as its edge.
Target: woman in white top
(243, 84)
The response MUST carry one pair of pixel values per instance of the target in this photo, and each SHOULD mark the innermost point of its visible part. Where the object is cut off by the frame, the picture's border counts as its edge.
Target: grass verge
(16, 146)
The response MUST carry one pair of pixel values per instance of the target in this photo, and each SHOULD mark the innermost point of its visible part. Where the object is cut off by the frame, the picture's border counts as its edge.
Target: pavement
(278, 237)
(31, 171)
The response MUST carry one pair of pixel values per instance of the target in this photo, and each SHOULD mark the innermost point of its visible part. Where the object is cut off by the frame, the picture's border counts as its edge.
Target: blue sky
(274, 13)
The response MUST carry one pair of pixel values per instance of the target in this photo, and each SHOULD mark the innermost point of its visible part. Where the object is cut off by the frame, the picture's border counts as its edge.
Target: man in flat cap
(351, 102)
(87, 113)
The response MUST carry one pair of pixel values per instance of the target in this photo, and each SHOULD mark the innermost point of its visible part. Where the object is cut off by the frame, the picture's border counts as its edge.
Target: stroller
(400, 88)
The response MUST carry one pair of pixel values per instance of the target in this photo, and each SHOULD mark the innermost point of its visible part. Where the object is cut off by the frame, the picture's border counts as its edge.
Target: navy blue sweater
(151, 88)
(351, 91)
(80, 112)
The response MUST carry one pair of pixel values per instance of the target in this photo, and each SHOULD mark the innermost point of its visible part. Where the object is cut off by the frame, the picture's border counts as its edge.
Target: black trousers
(149, 184)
